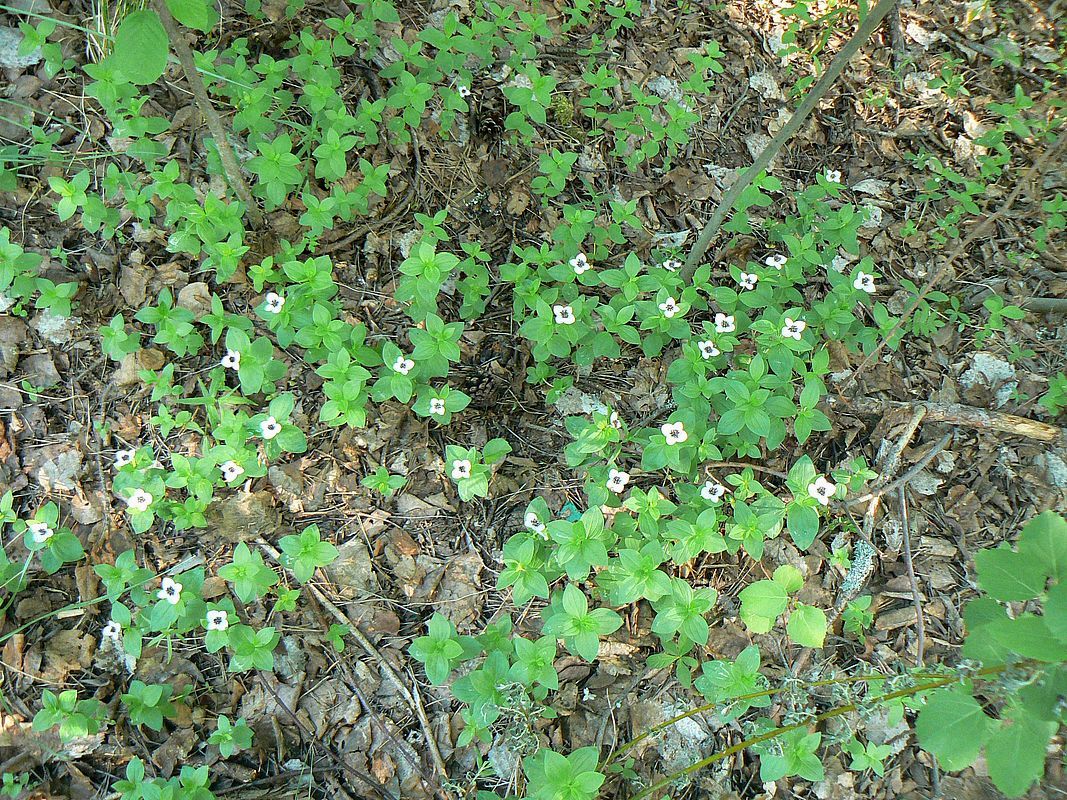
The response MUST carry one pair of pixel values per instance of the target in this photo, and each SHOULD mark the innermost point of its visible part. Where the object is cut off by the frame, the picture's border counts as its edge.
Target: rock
(1055, 467)
(53, 328)
(40, 371)
(10, 58)
(765, 85)
(992, 372)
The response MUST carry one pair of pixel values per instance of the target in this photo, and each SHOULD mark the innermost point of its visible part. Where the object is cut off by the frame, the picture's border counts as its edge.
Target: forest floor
(66, 409)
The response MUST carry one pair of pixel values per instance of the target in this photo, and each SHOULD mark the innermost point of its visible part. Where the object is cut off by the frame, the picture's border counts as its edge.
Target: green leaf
(980, 645)
(760, 602)
(803, 523)
(789, 578)
(1007, 575)
(197, 14)
(141, 47)
(1056, 611)
(1028, 636)
(807, 626)
(1044, 539)
(1015, 753)
(953, 728)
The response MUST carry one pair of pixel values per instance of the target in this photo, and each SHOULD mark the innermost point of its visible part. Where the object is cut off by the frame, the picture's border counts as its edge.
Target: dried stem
(211, 117)
(956, 414)
(413, 701)
(837, 66)
(916, 596)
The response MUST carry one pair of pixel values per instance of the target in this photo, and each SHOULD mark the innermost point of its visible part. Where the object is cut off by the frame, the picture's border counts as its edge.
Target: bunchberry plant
(279, 352)
(305, 552)
(74, 717)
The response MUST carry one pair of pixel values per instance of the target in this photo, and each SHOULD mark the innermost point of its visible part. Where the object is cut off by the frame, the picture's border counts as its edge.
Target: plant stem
(779, 731)
(211, 117)
(837, 66)
(751, 696)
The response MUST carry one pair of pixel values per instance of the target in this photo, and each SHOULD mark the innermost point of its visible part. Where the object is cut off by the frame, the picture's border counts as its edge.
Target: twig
(960, 43)
(906, 477)
(1047, 305)
(313, 741)
(956, 414)
(851, 586)
(837, 66)
(896, 30)
(401, 206)
(401, 747)
(916, 598)
(211, 117)
(387, 668)
(1048, 157)
(743, 465)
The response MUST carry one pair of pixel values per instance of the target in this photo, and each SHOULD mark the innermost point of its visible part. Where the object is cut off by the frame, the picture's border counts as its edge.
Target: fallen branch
(412, 700)
(211, 116)
(956, 414)
(900, 482)
(837, 66)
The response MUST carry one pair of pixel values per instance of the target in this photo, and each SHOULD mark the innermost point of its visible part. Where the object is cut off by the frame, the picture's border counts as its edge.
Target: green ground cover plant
(746, 353)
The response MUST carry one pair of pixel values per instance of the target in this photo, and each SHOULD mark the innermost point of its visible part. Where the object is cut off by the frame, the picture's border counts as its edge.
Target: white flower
(617, 480)
(614, 420)
(232, 359)
(671, 265)
(124, 457)
(533, 522)
(748, 280)
(461, 468)
(864, 282)
(437, 406)
(708, 349)
(41, 532)
(564, 315)
(403, 365)
(669, 307)
(822, 490)
(140, 500)
(231, 470)
(833, 176)
(713, 491)
(217, 620)
(775, 260)
(170, 590)
(464, 91)
(724, 323)
(580, 264)
(793, 328)
(274, 302)
(674, 432)
(270, 428)
(111, 631)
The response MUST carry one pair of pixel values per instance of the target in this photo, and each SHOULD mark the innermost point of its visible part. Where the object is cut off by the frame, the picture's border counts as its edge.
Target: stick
(371, 650)
(907, 476)
(214, 123)
(956, 414)
(837, 66)
(916, 597)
